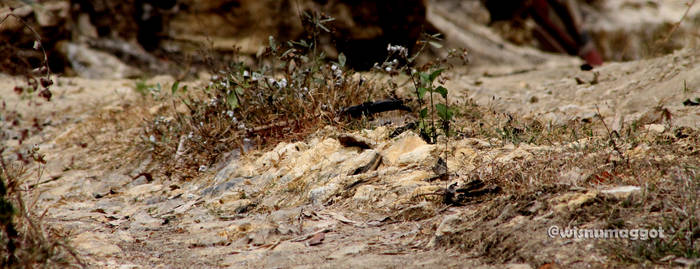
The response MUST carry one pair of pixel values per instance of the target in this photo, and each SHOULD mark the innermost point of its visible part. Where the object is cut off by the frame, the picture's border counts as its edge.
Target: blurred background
(104, 38)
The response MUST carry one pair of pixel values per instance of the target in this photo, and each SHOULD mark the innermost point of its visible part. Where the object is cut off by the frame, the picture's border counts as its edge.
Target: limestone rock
(621, 192)
(571, 201)
(410, 149)
(95, 244)
(90, 63)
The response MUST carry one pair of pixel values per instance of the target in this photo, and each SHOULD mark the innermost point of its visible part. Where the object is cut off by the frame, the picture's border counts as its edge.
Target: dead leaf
(317, 239)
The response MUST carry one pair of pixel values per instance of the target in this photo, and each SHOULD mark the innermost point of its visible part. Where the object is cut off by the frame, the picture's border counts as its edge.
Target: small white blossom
(402, 51)
(282, 83)
(201, 124)
(246, 73)
(241, 126)
(388, 69)
(334, 67)
(229, 114)
(152, 138)
(190, 135)
(202, 168)
(214, 77)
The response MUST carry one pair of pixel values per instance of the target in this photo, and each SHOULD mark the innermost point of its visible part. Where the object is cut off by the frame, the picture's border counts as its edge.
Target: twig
(610, 136)
(678, 24)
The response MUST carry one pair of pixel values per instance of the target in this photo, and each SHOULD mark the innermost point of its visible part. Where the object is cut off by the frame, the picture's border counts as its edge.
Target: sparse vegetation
(24, 241)
(510, 176)
(293, 90)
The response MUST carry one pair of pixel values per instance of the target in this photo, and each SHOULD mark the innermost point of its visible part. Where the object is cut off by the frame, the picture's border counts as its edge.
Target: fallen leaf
(317, 239)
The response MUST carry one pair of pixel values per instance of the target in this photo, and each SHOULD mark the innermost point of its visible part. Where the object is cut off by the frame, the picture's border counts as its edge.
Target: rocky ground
(324, 202)
(370, 198)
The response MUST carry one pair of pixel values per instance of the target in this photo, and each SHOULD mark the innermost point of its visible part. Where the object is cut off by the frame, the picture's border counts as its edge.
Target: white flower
(388, 69)
(402, 51)
(271, 81)
(229, 114)
(202, 168)
(190, 135)
(152, 138)
(201, 123)
(214, 77)
(283, 83)
(241, 126)
(333, 67)
(246, 73)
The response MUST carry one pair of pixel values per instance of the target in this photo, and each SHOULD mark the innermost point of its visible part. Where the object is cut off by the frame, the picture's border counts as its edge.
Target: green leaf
(442, 90)
(232, 101)
(239, 90)
(444, 112)
(435, 74)
(424, 79)
(421, 92)
(424, 113)
(184, 89)
(435, 44)
(173, 89)
(342, 59)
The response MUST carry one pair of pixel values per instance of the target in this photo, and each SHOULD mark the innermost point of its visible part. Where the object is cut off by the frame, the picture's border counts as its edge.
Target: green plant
(287, 93)
(444, 112)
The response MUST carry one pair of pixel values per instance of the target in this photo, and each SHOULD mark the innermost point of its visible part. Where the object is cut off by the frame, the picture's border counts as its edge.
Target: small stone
(621, 192)
(656, 128)
(690, 263)
(317, 239)
(113, 109)
(573, 201)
